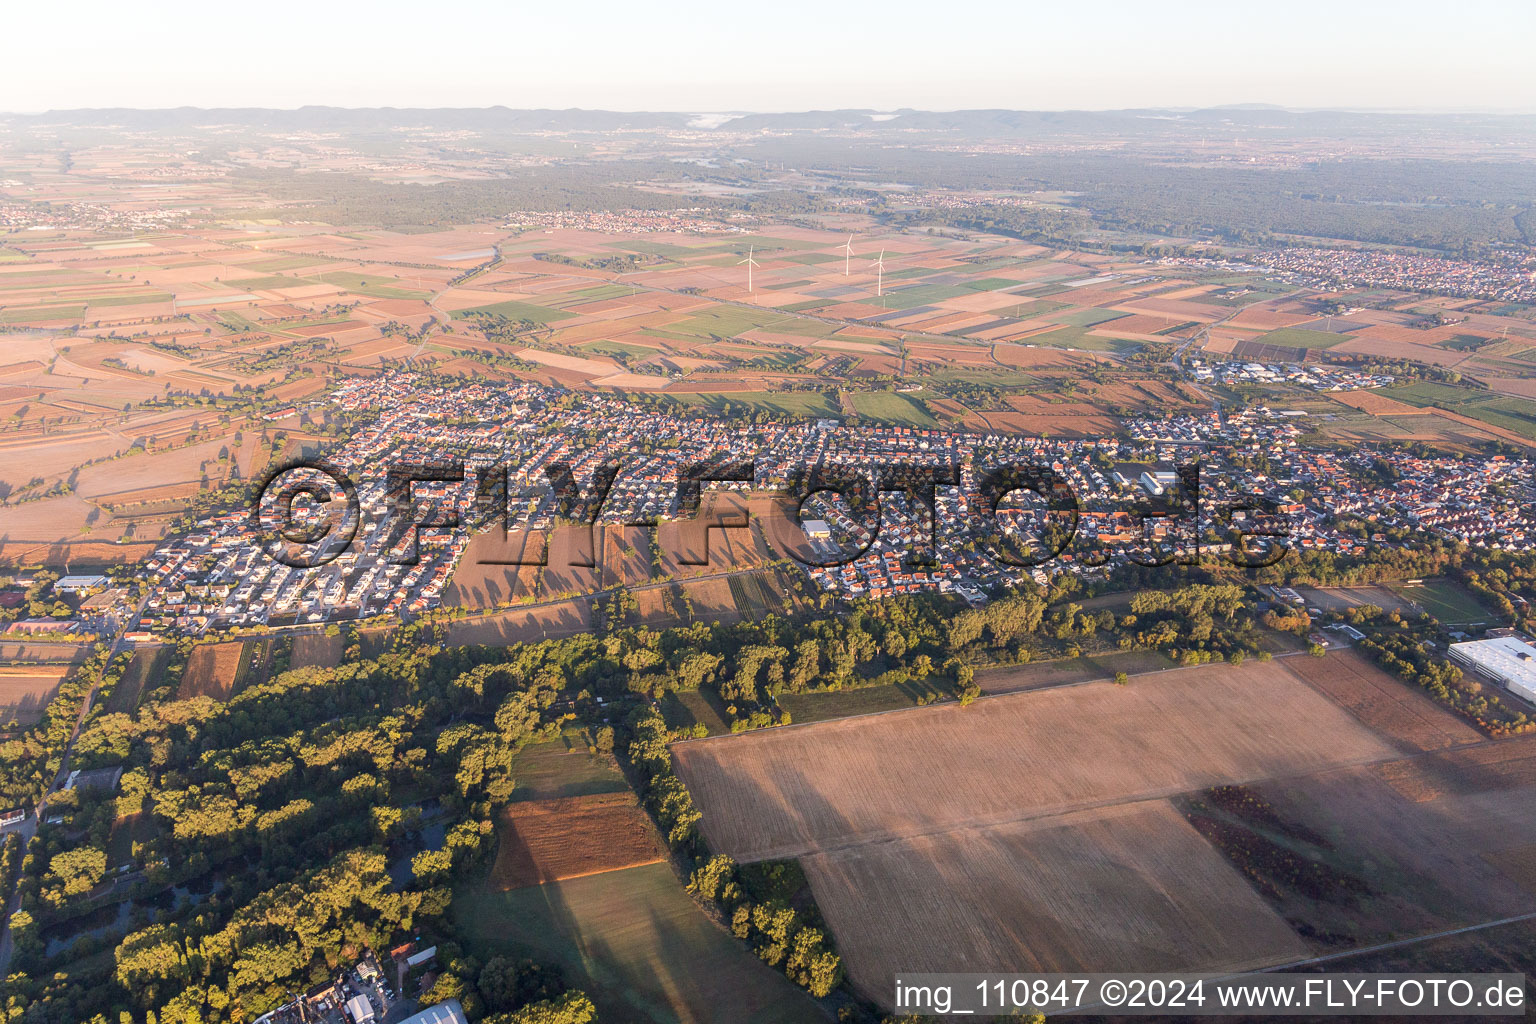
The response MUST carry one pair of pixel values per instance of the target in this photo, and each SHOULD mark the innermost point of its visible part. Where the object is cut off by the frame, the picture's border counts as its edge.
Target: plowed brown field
(550, 840)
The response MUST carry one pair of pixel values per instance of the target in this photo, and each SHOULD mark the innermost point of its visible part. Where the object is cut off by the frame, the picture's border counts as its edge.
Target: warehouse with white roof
(1507, 660)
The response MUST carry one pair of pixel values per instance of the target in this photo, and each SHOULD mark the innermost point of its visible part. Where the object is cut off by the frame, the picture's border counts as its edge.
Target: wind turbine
(847, 248)
(880, 274)
(750, 262)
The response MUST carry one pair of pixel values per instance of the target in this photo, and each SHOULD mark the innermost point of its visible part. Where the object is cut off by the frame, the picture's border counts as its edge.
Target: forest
(294, 810)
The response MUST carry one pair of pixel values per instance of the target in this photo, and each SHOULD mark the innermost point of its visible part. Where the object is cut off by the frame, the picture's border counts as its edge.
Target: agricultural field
(556, 839)
(1444, 599)
(1430, 843)
(145, 672)
(1088, 890)
(686, 709)
(316, 650)
(1039, 675)
(26, 689)
(637, 945)
(142, 373)
(1386, 705)
(1340, 599)
(804, 708)
(891, 407)
(216, 670)
(1049, 752)
(564, 767)
(1150, 797)
(523, 625)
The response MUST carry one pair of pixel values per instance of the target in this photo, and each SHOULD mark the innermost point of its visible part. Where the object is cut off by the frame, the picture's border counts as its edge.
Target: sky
(751, 55)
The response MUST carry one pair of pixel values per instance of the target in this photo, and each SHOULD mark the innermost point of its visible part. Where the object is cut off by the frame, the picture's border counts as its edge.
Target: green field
(514, 310)
(1088, 317)
(26, 314)
(892, 407)
(129, 299)
(283, 263)
(1030, 308)
(655, 248)
(1507, 411)
(925, 294)
(992, 284)
(251, 284)
(1467, 342)
(1445, 600)
(1300, 337)
(1079, 338)
(731, 322)
(801, 404)
(683, 709)
(372, 285)
(810, 258)
(820, 707)
(635, 943)
(618, 348)
(562, 767)
(12, 256)
(904, 273)
(600, 292)
(1038, 675)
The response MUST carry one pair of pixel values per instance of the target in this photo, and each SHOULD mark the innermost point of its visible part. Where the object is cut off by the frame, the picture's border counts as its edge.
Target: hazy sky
(769, 54)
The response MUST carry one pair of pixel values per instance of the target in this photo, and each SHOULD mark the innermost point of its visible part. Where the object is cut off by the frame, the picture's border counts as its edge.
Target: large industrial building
(1507, 660)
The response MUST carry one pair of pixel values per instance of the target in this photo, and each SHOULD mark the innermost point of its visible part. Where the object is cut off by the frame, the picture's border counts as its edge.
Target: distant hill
(963, 123)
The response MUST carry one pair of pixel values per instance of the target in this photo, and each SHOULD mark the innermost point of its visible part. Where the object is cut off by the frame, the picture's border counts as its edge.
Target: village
(1128, 503)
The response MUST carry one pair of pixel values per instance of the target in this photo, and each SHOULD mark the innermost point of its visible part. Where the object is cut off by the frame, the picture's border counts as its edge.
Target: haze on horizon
(794, 55)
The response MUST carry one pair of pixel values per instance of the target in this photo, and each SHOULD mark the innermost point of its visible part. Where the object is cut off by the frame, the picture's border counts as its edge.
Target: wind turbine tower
(880, 274)
(750, 262)
(847, 248)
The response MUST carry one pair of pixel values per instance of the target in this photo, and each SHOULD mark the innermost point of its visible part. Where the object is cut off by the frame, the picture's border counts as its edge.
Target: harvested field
(1387, 705)
(1439, 839)
(315, 650)
(26, 689)
(571, 837)
(711, 600)
(1059, 419)
(42, 653)
(788, 792)
(626, 555)
(213, 670)
(1093, 890)
(1375, 403)
(1493, 767)
(523, 625)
